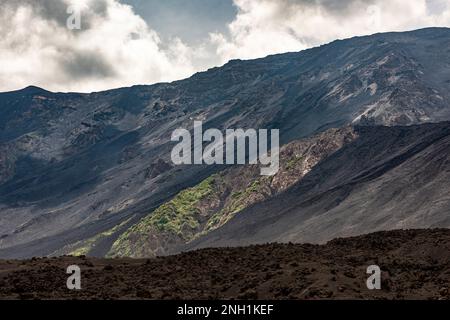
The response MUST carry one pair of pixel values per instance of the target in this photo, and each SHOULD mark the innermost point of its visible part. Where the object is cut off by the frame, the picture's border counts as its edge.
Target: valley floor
(415, 264)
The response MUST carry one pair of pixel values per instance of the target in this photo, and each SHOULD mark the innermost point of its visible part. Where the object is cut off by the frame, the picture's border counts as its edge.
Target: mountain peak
(33, 89)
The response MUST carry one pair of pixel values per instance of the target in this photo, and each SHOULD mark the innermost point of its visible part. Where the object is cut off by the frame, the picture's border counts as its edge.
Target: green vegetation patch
(180, 217)
(85, 246)
(239, 201)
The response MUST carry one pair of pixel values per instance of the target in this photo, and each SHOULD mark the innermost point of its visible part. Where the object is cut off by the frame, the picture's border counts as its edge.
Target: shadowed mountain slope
(208, 206)
(388, 178)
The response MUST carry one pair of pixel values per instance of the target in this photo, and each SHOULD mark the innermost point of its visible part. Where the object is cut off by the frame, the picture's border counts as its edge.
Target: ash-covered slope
(388, 178)
(78, 166)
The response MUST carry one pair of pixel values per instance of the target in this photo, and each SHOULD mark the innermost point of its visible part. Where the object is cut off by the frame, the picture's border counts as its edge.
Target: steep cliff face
(73, 166)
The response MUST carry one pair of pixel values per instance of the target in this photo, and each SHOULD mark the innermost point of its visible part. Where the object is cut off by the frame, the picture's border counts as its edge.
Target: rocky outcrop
(388, 178)
(199, 210)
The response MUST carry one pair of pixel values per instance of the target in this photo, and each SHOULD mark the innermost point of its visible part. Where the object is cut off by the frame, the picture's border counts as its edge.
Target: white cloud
(114, 48)
(117, 48)
(265, 27)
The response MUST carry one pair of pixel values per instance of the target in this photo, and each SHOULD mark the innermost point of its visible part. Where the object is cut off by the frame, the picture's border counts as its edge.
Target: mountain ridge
(73, 166)
(379, 34)
(341, 198)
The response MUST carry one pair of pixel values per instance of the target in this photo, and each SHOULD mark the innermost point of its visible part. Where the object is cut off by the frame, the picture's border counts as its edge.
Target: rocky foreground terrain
(415, 265)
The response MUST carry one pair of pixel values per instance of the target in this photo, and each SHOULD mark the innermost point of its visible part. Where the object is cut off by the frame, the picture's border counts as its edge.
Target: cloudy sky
(127, 42)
